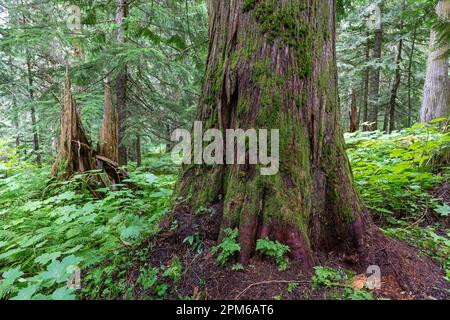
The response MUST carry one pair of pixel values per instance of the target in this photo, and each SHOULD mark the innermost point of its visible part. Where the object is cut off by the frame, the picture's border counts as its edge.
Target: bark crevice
(256, 78)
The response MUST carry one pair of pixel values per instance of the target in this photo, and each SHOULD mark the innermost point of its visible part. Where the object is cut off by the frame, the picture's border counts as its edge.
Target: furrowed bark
(272, 65)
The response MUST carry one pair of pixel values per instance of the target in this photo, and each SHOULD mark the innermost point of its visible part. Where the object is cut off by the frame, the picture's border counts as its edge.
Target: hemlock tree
(272, 65)
(121, 82)
(375, 76)
(436, 102)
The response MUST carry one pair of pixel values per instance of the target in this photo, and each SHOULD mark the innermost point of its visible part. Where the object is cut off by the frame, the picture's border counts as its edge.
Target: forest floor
(407, 272)
(50, 228)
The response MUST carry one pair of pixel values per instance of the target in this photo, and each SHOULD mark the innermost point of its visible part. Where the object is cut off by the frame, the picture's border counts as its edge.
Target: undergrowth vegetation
(339, 283)
(395, 172)
(51, 229)
(396, 175)
(54, 233)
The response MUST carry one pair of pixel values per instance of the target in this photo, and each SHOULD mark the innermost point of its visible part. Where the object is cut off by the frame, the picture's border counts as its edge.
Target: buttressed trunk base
(271, 65)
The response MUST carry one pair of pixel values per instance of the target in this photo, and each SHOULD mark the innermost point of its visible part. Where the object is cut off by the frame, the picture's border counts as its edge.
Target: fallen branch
(267, 282)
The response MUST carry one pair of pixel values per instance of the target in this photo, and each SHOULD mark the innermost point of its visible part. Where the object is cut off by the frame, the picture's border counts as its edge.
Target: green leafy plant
(340, 282)
(354, 294)
(148, 278)
(194, 241)
(395, 175)
(174, 270)
(292, 287)
(237, 267)
(204, 210)
(442, 210)
(395, 172)
(327, 277)
(48, 226)
(274, 249)
(228, 247)
(161, 290)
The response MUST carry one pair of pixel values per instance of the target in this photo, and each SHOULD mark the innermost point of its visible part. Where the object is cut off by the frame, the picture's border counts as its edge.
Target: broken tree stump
(75, 154)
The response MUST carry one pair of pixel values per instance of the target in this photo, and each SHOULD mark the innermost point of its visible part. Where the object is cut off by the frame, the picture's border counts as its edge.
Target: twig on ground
(267, 282)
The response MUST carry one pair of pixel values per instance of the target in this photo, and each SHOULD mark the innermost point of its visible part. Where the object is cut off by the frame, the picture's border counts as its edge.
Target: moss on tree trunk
(272, 65)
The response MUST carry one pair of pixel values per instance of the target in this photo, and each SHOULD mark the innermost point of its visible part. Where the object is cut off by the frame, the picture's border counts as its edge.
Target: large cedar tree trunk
(272, 65)
(436, 98)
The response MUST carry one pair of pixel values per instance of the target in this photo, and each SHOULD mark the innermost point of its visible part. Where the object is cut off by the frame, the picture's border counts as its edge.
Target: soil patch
(406, 274)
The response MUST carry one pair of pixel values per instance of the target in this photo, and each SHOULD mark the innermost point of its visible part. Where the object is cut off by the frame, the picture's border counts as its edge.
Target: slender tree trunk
(365, 108)
(33, 112)
(272, 65)
(354, 125)
(109, 131)
(410, 77)
(121, 83)
(169, 143)
(436, 102)
(374, 91)
(16, 126)
(32, 108)
(386, 111)
(16, 122)
(138, 151)
(386, 115)
(395, 86)
(16, 113)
